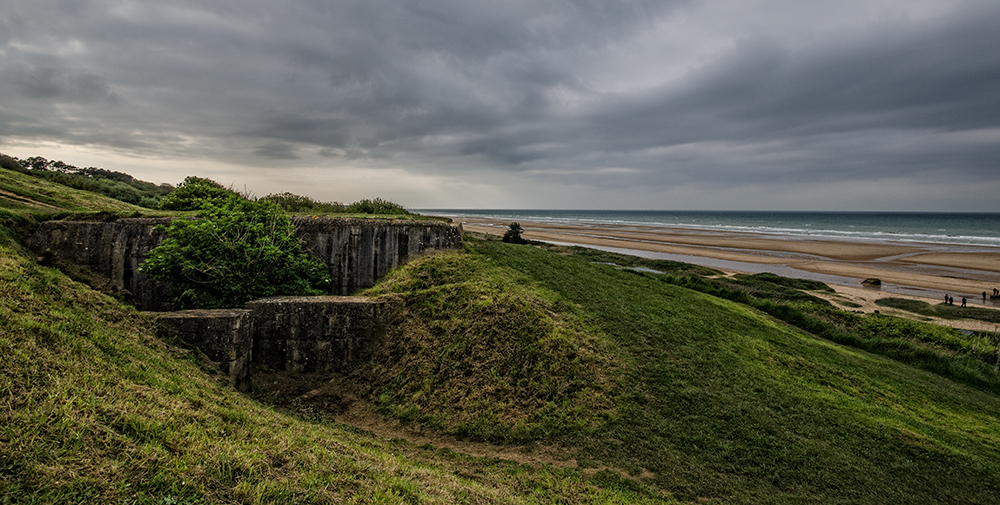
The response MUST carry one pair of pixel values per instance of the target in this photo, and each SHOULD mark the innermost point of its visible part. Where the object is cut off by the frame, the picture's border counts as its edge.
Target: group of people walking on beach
(948, 300)
(996, 294)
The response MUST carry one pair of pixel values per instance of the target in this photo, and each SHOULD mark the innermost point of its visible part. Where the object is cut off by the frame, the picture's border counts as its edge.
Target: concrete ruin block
(110, 252)
(316, 333)
(357, 252)
(224, 335)
(300, 334)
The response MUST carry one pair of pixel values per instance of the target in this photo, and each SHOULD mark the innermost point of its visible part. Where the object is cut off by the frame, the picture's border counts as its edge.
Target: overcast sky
(586, 104)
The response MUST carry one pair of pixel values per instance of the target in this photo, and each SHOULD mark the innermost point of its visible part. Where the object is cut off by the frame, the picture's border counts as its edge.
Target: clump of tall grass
(291, 202)
(376, 206)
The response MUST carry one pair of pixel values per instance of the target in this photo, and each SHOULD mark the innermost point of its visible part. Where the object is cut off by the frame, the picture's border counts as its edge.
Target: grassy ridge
(718, 401)
(944, 351)
(94, 409)
(22, 195)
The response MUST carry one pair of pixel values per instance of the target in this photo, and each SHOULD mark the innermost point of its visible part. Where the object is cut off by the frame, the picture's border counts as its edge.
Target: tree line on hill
(117, 185)
(125, 188)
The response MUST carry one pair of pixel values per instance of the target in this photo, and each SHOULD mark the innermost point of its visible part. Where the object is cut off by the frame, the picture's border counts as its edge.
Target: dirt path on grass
(845, 296)
(359, 415)
(331, 397)
(27, 201)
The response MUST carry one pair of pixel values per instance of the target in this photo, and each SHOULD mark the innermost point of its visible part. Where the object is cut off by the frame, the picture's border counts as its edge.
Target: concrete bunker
(284, 333)
(357, 252)
(295, 334)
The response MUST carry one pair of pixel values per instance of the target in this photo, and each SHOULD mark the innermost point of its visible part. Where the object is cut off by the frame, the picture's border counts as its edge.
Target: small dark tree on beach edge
(513, 234)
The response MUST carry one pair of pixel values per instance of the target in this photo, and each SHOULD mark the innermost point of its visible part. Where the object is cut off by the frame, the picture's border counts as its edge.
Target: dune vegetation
(652, 381)
(712, 398)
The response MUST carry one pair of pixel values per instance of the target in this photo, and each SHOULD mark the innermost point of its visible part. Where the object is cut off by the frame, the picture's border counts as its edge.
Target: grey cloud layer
(594, 93)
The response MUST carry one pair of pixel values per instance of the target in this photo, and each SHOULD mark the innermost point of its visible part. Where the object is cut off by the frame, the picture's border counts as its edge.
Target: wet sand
(931, 270)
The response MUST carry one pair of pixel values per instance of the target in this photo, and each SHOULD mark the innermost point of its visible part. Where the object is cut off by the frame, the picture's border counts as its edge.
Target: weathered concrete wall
(111, 251)
(358, 252)
(295, 334)
(225, 336)
(316, 333)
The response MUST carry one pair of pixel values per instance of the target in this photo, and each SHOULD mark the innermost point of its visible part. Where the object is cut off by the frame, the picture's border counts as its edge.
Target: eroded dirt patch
(330, 397)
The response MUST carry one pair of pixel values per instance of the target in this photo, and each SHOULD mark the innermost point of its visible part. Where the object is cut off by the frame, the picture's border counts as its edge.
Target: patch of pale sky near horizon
(490, 191)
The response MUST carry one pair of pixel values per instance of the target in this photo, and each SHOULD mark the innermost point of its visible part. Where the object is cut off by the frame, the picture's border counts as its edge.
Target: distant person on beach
(951, 300)
(963, 301)
(946, 298)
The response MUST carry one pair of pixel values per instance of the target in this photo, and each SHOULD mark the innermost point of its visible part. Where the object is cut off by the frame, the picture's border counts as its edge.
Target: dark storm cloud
(942, 77)
(55, 84)
(614, 93)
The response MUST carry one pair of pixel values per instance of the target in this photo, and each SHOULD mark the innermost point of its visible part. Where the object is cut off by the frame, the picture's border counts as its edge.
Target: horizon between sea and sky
(941, 228)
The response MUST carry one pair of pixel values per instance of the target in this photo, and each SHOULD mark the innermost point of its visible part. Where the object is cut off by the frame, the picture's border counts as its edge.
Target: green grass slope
(712, 399)
(482, 352)
(690, 396)
(95, 409)
(24, 196)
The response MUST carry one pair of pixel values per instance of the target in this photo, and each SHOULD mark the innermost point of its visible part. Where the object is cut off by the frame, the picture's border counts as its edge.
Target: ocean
(957, 229)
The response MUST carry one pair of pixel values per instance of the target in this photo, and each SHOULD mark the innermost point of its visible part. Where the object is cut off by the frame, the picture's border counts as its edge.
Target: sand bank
(960, 271)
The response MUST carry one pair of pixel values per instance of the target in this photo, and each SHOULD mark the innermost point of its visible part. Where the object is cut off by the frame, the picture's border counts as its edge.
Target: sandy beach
(908, 270)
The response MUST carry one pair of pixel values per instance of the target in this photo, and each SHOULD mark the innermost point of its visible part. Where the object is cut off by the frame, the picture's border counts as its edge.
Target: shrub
(513, 234)
(11, 163)
(376, 206)
(194, 193)
(298, 203)
(237, 251)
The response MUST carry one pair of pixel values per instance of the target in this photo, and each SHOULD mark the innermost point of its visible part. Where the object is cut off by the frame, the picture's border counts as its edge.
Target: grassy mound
(716, 401)
(481, 352)
(768, 286)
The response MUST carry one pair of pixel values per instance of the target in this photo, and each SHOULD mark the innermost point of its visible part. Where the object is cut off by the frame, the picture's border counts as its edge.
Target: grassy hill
(712, 399)
(658, 392)
(95, 408)
(22, 195)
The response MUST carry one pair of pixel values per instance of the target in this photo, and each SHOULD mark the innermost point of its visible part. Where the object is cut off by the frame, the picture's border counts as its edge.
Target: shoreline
(925, 271)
